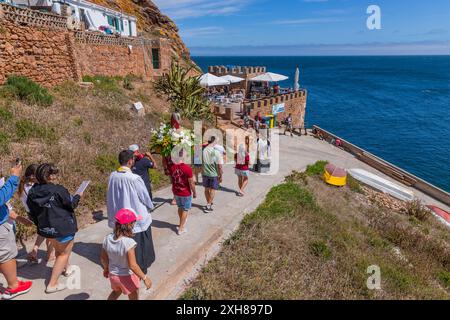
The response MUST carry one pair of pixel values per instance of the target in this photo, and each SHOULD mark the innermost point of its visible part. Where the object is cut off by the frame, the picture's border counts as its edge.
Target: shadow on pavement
(164, 225)
(90, 251)
(79, 296)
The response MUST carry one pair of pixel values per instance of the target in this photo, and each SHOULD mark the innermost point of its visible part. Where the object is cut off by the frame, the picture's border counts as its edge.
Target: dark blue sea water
(395, 107)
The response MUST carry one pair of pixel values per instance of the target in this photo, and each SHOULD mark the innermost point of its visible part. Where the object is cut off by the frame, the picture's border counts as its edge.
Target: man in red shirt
(183, 187)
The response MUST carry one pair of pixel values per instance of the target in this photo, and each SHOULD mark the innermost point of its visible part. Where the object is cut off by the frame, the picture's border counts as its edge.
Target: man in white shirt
(128, 190)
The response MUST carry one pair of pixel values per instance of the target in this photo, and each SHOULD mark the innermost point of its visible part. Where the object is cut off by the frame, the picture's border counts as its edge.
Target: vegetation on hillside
(26, 90)
(82, 131)
(184, 93)
(312, 241)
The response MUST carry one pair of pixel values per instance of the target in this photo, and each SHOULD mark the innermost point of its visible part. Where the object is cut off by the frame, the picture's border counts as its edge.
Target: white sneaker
(58, 288)
(182, 232)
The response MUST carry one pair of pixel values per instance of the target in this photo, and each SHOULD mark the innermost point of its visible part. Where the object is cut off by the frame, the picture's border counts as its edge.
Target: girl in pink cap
(119, 260)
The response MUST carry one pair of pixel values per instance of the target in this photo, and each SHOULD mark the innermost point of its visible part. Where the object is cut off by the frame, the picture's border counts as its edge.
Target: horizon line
(324, 55)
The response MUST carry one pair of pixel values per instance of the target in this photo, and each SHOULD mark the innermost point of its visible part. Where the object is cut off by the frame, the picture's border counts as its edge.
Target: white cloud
(182, 9)
(306, 21)
(201, 32)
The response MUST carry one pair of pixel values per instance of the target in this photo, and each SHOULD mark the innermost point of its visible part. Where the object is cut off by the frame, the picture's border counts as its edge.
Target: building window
(115, 23)
(155, 59)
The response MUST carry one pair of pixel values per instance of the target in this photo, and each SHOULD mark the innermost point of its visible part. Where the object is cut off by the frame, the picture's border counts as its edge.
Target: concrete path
(178, 258)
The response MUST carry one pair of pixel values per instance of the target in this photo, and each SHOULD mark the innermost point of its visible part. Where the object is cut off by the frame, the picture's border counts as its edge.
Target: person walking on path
(242, 170)
(8, 247)
(52, 210)
(258, 121)
(118, 258)
(183, 187)
(289, 125)
(26, 183)
(212, 173)
(143, 163)
(127, 190)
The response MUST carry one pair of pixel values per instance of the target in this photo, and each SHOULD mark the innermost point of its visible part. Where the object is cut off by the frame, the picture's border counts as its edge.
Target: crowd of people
(128, 251)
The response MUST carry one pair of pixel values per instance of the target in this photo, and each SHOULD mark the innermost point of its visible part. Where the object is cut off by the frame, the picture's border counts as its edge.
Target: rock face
(151, 21)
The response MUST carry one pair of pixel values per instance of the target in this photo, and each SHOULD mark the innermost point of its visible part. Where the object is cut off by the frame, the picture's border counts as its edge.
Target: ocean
(398, 108)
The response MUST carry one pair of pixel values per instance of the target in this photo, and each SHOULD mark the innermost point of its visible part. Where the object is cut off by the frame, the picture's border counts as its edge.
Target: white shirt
(127, 190)
(117, 251)
(24, 196)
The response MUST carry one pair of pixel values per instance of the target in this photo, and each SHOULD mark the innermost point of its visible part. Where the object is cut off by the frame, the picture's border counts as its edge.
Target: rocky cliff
(150, 21)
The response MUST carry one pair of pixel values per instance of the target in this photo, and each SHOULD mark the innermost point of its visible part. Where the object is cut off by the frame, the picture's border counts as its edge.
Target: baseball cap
(133, 147)
(125, 216)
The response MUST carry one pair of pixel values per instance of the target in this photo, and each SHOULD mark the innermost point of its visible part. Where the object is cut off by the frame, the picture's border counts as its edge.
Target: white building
(93, 16)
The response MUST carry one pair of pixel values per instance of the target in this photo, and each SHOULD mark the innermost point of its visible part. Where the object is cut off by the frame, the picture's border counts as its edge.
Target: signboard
(138, 106)
(278, 108)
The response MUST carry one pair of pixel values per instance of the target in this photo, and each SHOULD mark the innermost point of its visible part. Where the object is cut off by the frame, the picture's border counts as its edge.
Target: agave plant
(184, 93)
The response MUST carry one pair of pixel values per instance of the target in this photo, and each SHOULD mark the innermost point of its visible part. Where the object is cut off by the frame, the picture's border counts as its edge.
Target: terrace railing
(274, 99)
(26, 16)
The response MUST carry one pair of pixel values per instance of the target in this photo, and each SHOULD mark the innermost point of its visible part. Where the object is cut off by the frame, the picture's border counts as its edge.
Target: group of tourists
(128, 251)
(51, 208)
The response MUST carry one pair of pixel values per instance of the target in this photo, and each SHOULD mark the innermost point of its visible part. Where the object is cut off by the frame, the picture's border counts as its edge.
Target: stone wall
(295, 103)
(40, 53)
(99, 55)
(40, 46)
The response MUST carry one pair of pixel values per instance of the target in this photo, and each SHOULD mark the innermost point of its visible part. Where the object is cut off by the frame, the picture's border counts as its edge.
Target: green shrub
(5, 114)
(316, 169)
(96, 194)
(4, 143)
(28, 91)
(127, 84)
(444, 278)
(320, 249)
(106, 163)
(26, 129)
(282, 201)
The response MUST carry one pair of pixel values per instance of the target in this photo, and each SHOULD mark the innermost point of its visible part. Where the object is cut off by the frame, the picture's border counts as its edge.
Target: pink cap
(125, 216)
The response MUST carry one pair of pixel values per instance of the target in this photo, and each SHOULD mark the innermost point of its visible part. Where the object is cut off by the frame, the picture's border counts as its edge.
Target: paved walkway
(178, 258)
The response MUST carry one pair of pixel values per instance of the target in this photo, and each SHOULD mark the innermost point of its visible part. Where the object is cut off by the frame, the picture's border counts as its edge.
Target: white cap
(133, 147)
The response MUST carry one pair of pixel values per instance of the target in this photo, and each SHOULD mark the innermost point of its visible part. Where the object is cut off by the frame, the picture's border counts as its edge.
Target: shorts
(125, 284)
(8, 247)
(184, 203)
(65, 239)
(242, 173)
(211, 182)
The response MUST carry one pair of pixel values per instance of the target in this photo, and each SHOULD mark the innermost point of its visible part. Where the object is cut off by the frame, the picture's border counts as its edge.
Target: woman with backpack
(52, 210)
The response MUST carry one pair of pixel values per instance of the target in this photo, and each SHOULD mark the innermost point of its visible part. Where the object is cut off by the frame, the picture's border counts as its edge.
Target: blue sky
(310, 27)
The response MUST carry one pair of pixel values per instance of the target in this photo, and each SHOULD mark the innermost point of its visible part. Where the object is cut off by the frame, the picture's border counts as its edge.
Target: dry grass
(312, 241)
(82, 132)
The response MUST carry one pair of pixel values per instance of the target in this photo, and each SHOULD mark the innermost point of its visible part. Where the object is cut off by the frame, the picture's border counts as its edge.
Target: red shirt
(180, 175)
(242, 166)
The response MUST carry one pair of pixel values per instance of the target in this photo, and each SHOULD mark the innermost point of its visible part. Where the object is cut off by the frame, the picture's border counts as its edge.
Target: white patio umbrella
(232, 79)
(296, 80)
(269, 77)
(210, 80)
